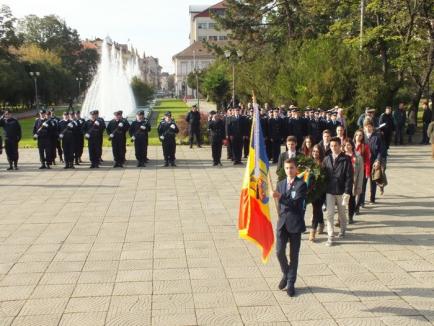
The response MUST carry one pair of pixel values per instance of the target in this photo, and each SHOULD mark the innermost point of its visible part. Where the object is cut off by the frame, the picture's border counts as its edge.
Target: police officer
(42, 133)
(227, 120)
(55, 140)
(78, 137)
(66, 130)
(101, 137)
(235, 133)
(216, 128)
(247, 121)
(193, 120)
(12, 133)
(167, 131)
(298, 127)
(275, 128)
(117, 129)
(93, 130)
(139, 135)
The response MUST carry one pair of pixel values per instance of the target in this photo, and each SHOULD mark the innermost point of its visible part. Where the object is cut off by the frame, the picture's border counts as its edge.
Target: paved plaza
(159, 246)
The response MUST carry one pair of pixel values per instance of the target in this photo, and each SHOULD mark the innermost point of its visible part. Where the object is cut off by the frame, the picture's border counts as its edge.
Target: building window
(202, 38)
(211, 25)
(223, 38)
(202, 25)
(213, 38)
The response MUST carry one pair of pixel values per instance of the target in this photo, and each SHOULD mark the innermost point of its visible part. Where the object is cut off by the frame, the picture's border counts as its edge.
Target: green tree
(143, 93)
(215, 84)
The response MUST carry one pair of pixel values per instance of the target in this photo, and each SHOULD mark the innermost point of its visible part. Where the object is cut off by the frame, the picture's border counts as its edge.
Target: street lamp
(233, 56)
(35, 75)
(79, 79)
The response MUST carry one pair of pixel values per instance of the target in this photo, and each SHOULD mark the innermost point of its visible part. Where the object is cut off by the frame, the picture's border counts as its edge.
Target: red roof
(206, 12)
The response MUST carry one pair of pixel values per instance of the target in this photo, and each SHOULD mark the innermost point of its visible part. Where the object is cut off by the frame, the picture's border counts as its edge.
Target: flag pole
(270, 182)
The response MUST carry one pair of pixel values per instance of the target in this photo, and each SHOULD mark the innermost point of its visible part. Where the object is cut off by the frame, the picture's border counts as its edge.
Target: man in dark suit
(193, 120)
(235, 132)
(291, 194)
(275, 132)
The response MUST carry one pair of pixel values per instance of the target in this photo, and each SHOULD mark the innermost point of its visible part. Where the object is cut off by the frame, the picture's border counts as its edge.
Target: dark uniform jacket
(118, 131)
(93, 129)
(275, 129)
(217, 131)
(193, 120)
(166, 130)
(140, 129)
(12, 129)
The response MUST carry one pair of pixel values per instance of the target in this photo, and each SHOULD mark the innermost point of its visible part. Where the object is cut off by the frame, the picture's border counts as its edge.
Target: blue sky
(159, 27)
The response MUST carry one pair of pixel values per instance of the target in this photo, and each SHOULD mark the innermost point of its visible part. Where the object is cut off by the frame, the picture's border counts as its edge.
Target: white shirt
(289, 183)
(292, 154)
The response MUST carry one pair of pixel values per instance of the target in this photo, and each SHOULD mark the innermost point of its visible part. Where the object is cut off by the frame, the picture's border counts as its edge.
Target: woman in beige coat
(359, 173)
(430, 134)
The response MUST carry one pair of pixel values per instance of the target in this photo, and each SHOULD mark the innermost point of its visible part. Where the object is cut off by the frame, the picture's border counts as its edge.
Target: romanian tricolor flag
(254, 222)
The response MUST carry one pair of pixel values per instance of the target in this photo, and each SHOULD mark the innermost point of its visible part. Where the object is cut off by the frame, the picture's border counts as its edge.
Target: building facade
(197, 56)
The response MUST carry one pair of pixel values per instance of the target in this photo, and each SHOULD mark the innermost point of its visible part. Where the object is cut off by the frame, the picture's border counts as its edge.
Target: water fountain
(110, 89)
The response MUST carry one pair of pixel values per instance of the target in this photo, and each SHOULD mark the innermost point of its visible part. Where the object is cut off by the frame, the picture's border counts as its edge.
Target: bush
(183, 128)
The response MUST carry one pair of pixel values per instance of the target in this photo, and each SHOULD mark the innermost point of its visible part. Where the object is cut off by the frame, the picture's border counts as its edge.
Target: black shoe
(350, 220)
(42, 167)
(166, 164)
(172, 164)
(9, 168)
(283, 283)
(200, 146)
(48, 166)
(191, 146)
(146, 160)
(66, 166)
(291, 290)
(92, 166)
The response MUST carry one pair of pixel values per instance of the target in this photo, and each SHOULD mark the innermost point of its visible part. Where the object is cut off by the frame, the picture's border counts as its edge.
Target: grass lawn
(177, 107)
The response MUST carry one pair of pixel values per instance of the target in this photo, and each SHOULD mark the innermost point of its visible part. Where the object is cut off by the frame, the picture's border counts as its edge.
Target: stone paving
(159, 246)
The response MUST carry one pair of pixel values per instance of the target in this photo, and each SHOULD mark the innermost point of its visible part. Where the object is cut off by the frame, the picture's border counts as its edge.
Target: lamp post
(79, 79)
(233, 56)
(35, 75)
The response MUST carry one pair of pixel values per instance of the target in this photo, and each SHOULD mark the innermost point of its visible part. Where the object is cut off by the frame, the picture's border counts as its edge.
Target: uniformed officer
(93, 130)
(227, 120)
(247, 121)
(42, 133)
(12, 133)
(275, 133)
(55, 141)
(216, 128)
(193, 120)
(298, 127)
(235, 133)
(66, 129)
(167, 131)
(139, 135)
(117, 129)
(78, 137)
(101, 136)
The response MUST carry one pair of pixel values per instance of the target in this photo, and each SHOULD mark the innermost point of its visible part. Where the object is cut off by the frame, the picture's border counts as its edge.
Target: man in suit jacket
(291, 194)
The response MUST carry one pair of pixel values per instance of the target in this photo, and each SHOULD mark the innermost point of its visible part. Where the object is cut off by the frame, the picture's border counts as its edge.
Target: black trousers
(194, 132)
(275, 145)
(11, 147)
(169, 149)
(45, 148)
(317, 213)
(268, 149)
(119, 149)
(425, 139)
(141, 148)
(246, 146)
(399, 136)
(351, 206)
(94, 151)
(216, 149)
(237, 148)
(282, 239)
(229, 149)
(68, 149)
(78, 146)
